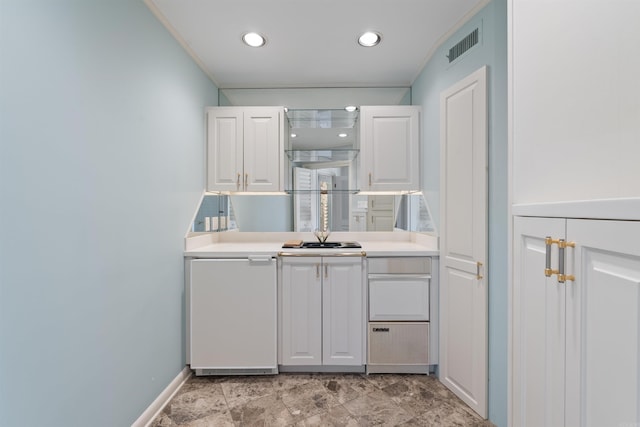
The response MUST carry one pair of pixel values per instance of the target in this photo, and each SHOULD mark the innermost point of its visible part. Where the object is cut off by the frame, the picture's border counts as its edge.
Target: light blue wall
(437, 76)
(101, 168)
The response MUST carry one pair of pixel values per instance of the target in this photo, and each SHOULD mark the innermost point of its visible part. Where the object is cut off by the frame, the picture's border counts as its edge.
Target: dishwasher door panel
(233, 317)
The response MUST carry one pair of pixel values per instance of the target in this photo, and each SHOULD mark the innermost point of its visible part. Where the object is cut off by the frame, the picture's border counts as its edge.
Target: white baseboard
(159, 403)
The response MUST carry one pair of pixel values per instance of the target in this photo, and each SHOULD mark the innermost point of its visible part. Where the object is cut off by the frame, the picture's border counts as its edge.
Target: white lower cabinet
(232, 315)
(322, 311)
(576, 345)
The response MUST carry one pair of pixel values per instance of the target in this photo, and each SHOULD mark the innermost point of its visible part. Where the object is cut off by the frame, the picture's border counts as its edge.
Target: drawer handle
(380, 329)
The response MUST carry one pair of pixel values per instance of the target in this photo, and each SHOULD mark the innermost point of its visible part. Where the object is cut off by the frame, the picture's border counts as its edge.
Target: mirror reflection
(256, 213)
(325, 149)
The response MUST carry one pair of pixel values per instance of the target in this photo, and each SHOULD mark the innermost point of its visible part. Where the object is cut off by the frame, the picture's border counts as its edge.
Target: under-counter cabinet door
(343, 311)
(262, 149)
(233, 314)
(225, 171)
(576, 344)
(603, 324)
(301, 311)
(538, 327)
(389, 147)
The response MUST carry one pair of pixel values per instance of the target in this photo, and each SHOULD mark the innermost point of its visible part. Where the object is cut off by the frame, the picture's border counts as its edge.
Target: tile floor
(316, 400)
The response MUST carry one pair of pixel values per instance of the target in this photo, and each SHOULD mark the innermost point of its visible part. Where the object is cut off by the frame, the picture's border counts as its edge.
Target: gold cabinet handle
(369, 179)
(238, 182)
(326, 271)
(478, 267)
(246, 180)
(562, 245)
(562, 260)
(548, 271)
(317, 271)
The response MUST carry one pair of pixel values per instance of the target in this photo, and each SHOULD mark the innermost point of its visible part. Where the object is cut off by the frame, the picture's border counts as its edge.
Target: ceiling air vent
(463, 45)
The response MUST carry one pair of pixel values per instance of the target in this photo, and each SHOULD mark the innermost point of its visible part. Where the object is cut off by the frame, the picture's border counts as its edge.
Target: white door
(538, 330)
(463, 204)
(224, 149)
(603, 324)
(343, 311)
(262, 151)
(301, 311)
(389, 149)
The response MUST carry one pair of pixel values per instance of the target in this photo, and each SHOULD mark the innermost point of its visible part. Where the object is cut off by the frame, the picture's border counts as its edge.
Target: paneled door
(463, 204)
(603, 324)
(301, 311)
(262, 149)
(538, 326)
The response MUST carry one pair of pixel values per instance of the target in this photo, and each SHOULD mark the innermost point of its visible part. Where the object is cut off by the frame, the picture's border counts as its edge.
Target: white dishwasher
(232, 316)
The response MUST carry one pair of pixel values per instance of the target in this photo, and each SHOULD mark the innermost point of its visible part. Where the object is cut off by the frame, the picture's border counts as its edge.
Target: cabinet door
(343, 315)
(262, 149)
(301, 311)
(390, 148)
(538, 327)
(233, 314)
(576, 345)
(603, 324)
(224, 149)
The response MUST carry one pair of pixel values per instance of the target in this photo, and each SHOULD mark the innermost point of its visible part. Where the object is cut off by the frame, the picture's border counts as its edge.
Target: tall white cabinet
(245, 149)
(322, 309)
(389, 148)
(576, 340)
(574, 131)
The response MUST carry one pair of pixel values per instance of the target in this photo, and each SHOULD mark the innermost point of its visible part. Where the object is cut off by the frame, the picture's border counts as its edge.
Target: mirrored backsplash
(300, 211)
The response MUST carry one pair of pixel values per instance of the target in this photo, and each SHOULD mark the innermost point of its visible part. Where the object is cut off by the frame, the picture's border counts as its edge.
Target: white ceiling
(312, 43)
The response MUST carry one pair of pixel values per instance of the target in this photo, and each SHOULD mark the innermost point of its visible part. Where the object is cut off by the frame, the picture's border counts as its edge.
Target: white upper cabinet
(389, 148)
(245, 148)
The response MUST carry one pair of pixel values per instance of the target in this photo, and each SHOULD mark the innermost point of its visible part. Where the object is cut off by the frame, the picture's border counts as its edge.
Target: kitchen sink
(330, 245)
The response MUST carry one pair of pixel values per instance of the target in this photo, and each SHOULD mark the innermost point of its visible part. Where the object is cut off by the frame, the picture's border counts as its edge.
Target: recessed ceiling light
(351, 108)
(293, 135)
(253, 39)
(369, 39)
(342, 135)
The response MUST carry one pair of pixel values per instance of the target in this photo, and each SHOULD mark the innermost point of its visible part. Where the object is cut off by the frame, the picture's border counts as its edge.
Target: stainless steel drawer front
(398, 343)
(399, 265)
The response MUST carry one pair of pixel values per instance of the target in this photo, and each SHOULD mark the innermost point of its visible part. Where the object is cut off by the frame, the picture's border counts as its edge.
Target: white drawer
(398, 297)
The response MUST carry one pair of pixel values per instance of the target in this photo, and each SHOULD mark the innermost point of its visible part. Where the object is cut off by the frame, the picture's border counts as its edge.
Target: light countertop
(241, 245)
